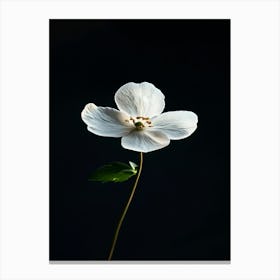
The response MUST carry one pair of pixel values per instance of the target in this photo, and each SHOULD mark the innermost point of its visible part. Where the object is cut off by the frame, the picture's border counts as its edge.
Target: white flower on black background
(139, 120)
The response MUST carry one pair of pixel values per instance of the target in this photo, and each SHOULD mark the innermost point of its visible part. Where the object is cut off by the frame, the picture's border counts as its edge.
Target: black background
(181, 209)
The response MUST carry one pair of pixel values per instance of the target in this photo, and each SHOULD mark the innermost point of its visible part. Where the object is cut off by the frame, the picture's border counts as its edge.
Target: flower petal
(106, 121)
(145, 140)
(176, 124)
(142, 100)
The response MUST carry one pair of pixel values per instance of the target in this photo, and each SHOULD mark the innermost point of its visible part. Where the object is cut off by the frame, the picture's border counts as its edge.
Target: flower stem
(126, 208)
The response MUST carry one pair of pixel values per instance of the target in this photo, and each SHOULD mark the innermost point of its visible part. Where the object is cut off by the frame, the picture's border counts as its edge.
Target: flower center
(139, 125)
(140, 122)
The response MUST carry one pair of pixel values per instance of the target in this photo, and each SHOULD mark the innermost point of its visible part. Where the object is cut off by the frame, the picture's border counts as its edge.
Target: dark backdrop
(181, 209)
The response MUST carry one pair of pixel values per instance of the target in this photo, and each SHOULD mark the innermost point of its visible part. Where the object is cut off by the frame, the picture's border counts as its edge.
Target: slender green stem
(126, 208)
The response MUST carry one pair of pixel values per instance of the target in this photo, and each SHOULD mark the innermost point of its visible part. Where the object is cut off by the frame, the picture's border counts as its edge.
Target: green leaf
(133, 165)
(114, 172)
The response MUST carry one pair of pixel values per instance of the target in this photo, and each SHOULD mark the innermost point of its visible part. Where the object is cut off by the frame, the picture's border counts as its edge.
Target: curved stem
(126, 208)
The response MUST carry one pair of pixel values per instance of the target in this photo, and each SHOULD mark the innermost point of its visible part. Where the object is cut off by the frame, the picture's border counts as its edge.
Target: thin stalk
(126, 208)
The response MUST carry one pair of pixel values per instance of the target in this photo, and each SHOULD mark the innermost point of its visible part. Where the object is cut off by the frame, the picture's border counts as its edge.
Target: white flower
(139, 120)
